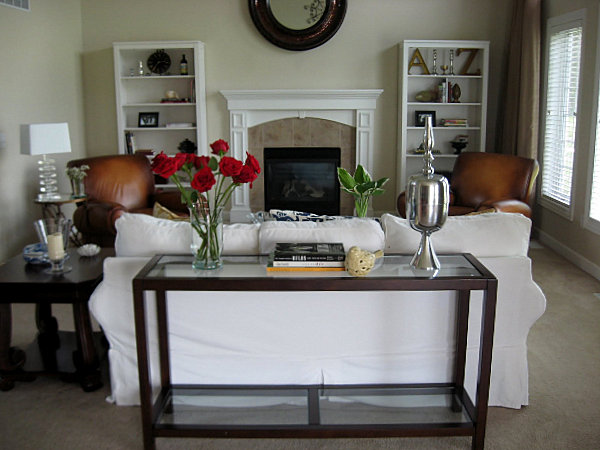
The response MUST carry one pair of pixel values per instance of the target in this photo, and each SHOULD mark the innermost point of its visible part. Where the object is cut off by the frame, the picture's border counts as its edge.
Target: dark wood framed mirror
(297, 25)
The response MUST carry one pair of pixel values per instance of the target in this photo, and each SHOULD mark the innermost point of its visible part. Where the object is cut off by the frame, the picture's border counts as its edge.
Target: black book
(286, 251)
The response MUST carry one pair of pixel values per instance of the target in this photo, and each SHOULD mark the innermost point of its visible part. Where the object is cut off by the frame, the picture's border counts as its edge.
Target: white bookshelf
(139, 93)
(472, 104)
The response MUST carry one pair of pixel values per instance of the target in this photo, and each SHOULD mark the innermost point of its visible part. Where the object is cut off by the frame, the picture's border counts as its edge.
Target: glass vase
(77, 188)
(207, 236)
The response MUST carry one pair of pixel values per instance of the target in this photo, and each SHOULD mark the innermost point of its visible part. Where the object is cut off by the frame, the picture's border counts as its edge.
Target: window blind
(561, 113)
(20, 4)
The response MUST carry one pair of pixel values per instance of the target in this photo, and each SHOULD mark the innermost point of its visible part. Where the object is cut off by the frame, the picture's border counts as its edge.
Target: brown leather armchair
(488, 181)
(116, 184)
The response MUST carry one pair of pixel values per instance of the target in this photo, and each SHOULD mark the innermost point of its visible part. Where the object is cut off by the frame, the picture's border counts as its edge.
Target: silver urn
(427, 201)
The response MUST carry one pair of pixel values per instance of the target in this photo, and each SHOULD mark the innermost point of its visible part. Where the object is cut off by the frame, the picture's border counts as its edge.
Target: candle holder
(54, 236)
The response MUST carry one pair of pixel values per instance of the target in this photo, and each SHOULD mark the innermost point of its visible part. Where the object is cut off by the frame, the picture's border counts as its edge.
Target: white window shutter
(564, 57)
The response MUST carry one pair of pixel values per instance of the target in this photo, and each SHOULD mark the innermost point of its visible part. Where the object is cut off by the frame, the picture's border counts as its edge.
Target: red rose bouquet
(224, 174)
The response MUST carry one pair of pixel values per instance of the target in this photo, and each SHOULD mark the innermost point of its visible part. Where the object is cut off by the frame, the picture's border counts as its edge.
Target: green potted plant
(361, 187)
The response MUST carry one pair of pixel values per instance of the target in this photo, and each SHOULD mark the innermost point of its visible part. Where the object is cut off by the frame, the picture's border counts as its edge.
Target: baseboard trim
(580, 261)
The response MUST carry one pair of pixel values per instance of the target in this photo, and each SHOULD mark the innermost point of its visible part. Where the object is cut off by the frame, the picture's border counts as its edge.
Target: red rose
(230, 167)
(163, 165)
(183, 158)
(219, 147)
(246, 175)
(203, 180)
(252, 162)
(201, 161)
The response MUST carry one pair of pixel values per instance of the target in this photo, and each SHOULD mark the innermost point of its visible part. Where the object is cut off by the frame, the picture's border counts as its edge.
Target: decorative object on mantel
(205, 204)
(76, 176)
(45, 139)
(359, 262)
(361, 187)
(427, 203)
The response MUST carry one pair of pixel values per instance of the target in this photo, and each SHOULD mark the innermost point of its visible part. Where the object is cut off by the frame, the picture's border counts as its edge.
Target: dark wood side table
(21, 282)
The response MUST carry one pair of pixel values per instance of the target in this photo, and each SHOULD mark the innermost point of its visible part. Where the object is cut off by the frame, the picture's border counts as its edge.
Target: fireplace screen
(302, 179)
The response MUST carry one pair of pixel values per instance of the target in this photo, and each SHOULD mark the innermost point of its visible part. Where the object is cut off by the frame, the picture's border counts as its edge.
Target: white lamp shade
(45, 138)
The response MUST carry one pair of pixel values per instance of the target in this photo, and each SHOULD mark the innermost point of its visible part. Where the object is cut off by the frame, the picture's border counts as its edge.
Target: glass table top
(389, 266)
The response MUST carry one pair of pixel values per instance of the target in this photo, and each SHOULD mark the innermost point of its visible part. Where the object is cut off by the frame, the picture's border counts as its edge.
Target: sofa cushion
(483, 235)
(143, 235)
(365, 233)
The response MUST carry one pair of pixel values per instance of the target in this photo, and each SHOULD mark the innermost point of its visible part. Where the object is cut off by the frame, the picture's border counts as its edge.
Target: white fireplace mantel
(248, 108)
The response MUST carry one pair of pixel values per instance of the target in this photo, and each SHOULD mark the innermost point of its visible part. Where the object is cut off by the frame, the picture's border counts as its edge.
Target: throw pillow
(286, 215)
(161, 212)
(483, 235)
(364, 233)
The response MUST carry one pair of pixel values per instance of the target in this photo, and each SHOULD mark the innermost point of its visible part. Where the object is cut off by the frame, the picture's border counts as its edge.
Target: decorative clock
(159, 62)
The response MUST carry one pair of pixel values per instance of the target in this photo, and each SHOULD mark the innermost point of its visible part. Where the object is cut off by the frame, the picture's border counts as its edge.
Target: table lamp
(44, 139)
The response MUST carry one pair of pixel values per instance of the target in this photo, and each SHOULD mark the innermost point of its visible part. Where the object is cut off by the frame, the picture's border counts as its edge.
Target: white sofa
(317, 337)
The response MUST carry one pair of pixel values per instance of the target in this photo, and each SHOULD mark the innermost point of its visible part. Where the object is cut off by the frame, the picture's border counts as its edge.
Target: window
(20, 4)
(564, 40)
(592, 213)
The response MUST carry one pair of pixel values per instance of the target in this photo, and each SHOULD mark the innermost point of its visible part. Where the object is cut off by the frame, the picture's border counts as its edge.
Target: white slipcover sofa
(323, 337)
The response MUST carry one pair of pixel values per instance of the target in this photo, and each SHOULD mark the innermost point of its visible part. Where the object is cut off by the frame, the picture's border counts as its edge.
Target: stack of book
(288, 257)
(461, 123)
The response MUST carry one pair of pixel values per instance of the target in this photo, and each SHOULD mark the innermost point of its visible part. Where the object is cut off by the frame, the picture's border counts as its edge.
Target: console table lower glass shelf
(282, 411)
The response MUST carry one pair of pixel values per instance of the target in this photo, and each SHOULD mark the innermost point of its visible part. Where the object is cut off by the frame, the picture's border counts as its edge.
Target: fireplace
(249, 108)
(302, 179)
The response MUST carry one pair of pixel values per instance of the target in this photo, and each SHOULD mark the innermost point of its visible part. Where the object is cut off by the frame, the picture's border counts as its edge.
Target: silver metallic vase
(427, 200)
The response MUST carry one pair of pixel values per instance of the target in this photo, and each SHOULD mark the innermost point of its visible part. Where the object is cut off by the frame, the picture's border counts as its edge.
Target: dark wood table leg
(86, 361)
(141, 338)
(462, 326)
(11, 358)
(485, 361)
(48, 339)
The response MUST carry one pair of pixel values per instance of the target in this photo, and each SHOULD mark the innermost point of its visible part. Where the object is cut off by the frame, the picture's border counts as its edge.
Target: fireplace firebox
(302, 179)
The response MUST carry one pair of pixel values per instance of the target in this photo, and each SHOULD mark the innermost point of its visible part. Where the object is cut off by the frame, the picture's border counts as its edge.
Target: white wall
(362, 55)
(40, 81)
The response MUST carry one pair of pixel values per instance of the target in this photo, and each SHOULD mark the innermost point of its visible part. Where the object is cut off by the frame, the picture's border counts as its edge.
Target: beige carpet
(564, 410)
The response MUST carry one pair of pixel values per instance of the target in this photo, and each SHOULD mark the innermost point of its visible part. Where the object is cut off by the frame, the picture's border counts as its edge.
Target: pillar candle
(56, 250)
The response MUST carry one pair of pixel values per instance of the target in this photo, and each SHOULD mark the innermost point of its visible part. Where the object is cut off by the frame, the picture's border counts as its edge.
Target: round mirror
(297, 14)
(297, 24)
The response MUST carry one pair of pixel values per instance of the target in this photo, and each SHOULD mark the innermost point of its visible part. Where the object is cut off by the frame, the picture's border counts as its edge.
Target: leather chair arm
(510, 206)
(97, 217)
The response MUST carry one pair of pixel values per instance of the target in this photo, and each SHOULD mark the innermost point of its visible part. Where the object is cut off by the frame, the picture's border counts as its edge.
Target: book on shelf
(311, 251)
(130, 143)
(454, 123)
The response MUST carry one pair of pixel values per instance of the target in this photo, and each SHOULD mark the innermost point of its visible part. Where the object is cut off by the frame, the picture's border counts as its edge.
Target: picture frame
(420, 118)
(148, 120)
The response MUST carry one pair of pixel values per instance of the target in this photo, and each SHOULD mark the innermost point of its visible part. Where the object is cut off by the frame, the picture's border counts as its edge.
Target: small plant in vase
(361, 187)
(76, 175)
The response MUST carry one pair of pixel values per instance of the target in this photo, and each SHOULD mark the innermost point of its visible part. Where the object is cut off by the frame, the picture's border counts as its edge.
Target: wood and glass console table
(311, 411)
